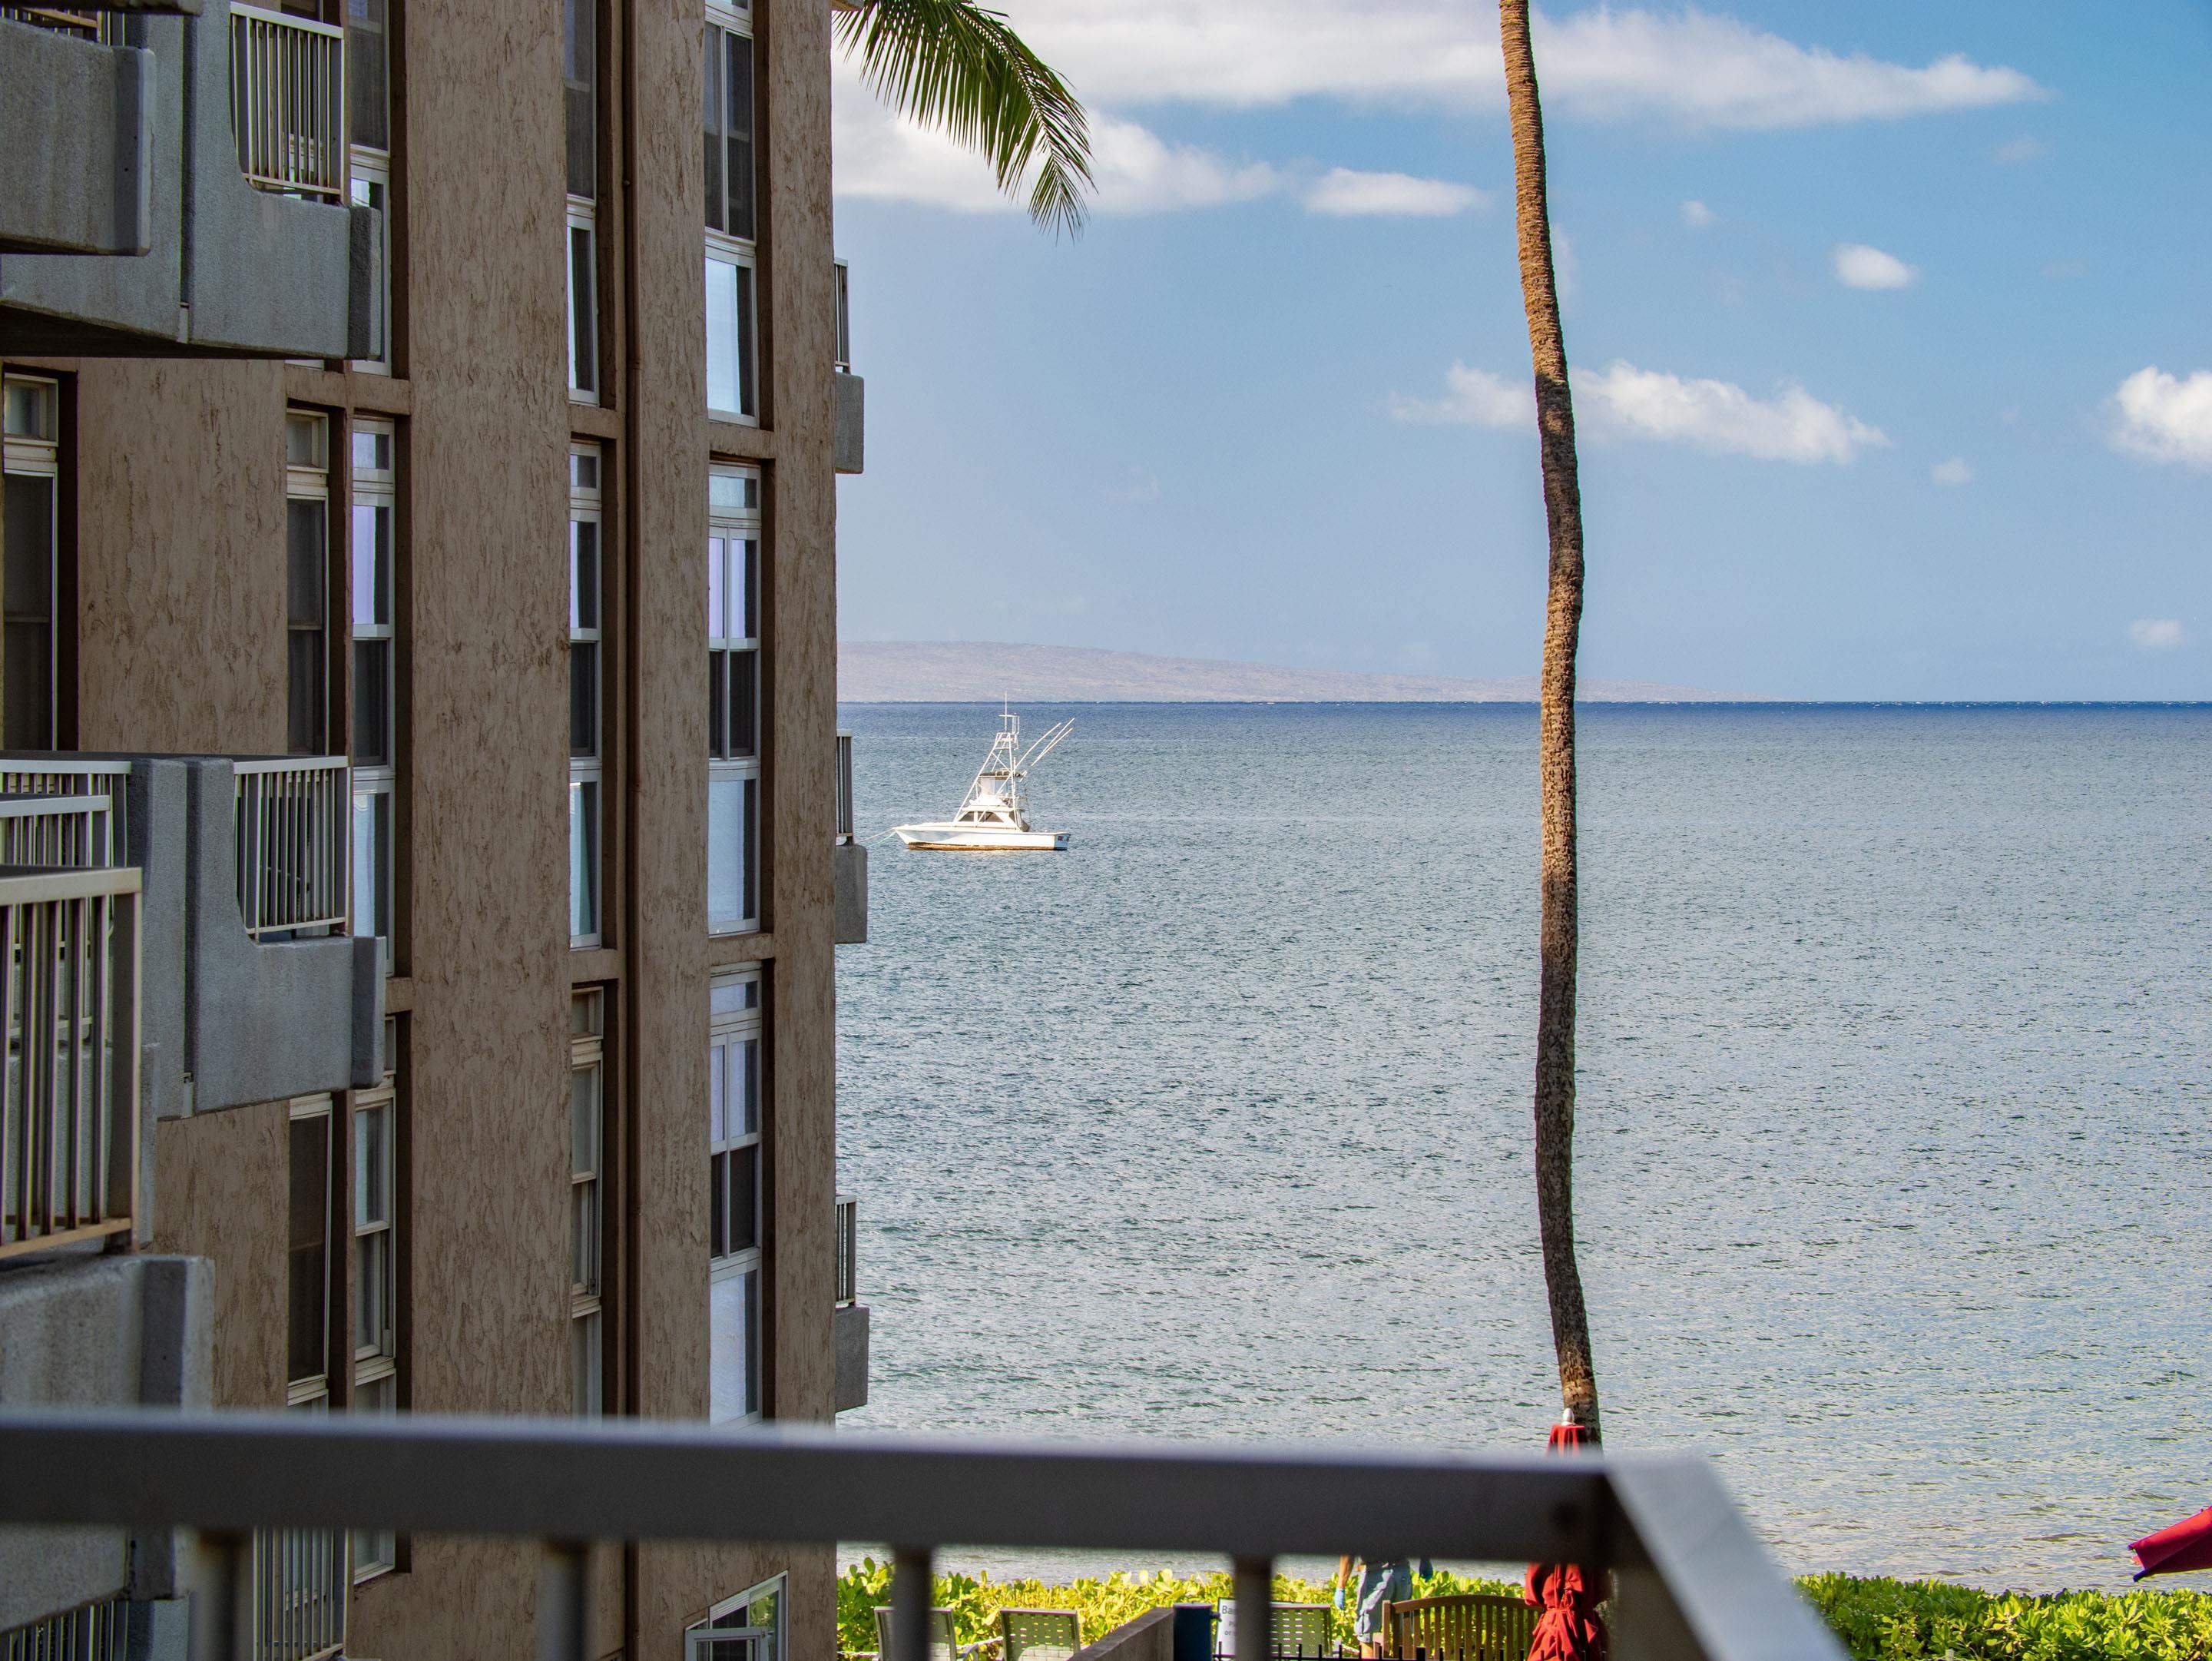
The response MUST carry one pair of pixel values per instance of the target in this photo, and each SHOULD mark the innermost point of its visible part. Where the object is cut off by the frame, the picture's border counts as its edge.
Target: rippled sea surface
(1895, 1157)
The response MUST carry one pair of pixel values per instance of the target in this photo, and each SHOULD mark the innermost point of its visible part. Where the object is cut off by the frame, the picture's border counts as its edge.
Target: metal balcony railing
(288, 108)
(848, 1243)
(1692, 1582)
(98, 1632)
(292, 844)
(300, 1577)
(86, 22)
(69, 1104)
(844, 320)
(54, 831)
(844, 787)
(104, 837)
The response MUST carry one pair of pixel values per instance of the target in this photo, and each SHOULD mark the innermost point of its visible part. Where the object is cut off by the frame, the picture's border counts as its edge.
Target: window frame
(737, 591)
(736, 1019)
(37, 455)
(587, 795)
(588, 1193)
(369, 185)
(736, 254)
(375, 1367)
(375, 784)
(308, 481)
(583, 325)
(312, 1390)
(701, 1638)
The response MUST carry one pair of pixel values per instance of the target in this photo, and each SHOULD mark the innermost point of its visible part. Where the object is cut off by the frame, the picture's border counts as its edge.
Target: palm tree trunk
(1563, 616)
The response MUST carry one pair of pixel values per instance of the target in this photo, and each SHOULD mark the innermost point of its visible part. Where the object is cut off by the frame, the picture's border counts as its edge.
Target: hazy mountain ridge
(980, 671)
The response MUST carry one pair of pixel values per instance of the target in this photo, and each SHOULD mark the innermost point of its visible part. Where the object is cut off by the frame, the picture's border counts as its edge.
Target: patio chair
(942, 1646)
(1296, 1629)
(1039, 1634)
(1470, 1626)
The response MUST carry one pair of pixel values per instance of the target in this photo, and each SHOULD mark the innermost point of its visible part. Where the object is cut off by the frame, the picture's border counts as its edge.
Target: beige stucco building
(562, 1138)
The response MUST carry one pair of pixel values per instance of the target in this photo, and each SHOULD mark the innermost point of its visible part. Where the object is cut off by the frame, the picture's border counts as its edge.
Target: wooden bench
(1470, 1626)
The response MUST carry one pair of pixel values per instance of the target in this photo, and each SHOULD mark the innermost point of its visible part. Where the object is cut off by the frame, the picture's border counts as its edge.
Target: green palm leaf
(953, 65)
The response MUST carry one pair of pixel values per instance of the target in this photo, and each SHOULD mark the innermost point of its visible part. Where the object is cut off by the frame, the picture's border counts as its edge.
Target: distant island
(983, 672)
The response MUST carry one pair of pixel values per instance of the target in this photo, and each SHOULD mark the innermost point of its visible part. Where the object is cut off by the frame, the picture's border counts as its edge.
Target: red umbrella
(2186, 1545)
(1568, 1629)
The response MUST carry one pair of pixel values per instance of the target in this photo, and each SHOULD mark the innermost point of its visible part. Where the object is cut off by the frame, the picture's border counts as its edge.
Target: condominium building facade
(360, 526)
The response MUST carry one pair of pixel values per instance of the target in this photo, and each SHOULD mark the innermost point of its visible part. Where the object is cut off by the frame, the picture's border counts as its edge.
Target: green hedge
(1906, 1619)
(1877, 1619)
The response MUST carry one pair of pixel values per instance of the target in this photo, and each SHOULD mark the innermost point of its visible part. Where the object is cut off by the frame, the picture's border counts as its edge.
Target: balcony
(176, 186)
(1692, 1584)
(254, 989)
(68, 997)
(849, 861)
(849, 1316)
(849, 401)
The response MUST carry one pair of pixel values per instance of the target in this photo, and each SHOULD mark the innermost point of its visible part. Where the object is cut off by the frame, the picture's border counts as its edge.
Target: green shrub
(1876, 1620)
(1908, 1619)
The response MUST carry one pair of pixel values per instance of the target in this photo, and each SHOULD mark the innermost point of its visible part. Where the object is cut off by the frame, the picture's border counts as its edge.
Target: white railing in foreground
(69, 1105)
(1693, 1583)
(292, 844)
(287, 101)
(73, 776)
(844, 787)
(848, 1241)
(300, 1582)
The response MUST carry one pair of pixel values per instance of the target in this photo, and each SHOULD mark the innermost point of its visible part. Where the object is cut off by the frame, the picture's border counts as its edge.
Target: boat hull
(979, 839)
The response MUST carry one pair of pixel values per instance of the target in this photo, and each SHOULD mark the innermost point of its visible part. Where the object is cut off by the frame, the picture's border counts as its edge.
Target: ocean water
(1894, 1153)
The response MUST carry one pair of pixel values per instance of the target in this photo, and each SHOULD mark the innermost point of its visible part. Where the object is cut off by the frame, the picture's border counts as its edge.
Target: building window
(371, 187)
(369, 113)
(583, 302)
(307, 1348)
(368, 60)
(580, 36)
(733, 375)
(30, 472)
(586, 694)
(375, 679)
(733, 694)
(376, 1253)
(307, 561)
(734, 1213)
(746, 1628)
(587, 1199)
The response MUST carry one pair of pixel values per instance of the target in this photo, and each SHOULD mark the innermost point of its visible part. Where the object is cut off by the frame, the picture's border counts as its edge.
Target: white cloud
(1719, 417)
(1342, 191)
(1954, 472)
(882, 157)
(1473, 398)
(2022, 149)
(2158, 634)
(1622, 400)
(2165, 418)
(1696, 216)
(1688, 66)
(1858, 266)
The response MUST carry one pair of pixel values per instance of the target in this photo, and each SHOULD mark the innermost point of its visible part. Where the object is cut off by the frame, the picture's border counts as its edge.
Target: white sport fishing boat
(991, 819)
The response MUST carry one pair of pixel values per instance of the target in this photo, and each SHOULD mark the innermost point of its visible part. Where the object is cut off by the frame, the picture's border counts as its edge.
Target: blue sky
(1871, 422)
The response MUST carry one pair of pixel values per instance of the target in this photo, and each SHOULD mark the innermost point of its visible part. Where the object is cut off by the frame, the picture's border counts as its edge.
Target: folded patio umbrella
(1568, 1628)
(2186, 1545)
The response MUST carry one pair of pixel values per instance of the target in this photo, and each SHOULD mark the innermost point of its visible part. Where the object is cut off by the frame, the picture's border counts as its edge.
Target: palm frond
(953, 65)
